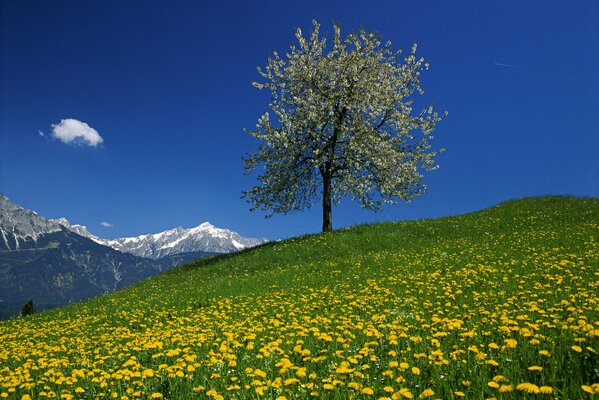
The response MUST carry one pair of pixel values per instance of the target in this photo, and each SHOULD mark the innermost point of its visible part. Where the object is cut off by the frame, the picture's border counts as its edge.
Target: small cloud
(107, 224)
(42, 134)
(508, 65)
(75, 132)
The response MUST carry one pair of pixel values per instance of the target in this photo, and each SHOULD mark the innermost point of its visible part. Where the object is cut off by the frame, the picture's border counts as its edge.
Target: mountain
(43, 260)
(20, 228)
(55, 262)
(204, 238)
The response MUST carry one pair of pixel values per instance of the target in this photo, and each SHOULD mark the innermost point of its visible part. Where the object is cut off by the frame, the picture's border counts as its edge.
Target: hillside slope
(497, 303)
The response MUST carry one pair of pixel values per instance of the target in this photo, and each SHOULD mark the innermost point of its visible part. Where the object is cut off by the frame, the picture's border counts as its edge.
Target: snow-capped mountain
(41, 259)
(20, 228)
(79, 229)
(204, 237)
(55, 262)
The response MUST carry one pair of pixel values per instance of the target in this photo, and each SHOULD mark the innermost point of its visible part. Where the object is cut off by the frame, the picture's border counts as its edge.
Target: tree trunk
(327, 214)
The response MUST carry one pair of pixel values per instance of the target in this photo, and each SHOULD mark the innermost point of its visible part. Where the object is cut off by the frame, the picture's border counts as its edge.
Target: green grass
(471, 302)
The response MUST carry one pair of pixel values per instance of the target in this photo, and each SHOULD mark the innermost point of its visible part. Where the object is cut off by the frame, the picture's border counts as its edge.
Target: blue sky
(167, 86)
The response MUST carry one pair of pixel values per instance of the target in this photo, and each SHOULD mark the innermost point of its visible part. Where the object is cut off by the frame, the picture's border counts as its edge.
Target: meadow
(501, 303)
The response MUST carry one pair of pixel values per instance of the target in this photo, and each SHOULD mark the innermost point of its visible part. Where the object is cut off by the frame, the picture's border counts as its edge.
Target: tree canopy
(343, 124)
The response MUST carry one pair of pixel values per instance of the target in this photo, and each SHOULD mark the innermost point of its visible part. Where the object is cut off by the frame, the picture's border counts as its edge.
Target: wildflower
(260, 373)
(505, 388)
(427, 393)
(577, 349)
(528, 388)
(147, 373)
(587, 389)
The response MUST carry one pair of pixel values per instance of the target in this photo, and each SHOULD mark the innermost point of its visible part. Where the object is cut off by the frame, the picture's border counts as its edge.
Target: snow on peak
(62, 221)
(18, 225)
(204, 237)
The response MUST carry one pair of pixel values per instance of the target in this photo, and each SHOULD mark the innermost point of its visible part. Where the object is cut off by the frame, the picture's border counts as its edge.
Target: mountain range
(204, 237)
(55, 262)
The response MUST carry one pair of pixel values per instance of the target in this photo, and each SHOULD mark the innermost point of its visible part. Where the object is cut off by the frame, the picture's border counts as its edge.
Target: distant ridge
(55, 262)
(203, 238)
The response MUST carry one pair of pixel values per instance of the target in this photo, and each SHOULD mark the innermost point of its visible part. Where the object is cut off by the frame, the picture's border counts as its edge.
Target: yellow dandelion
(368, 391)
(260, 373)
(291, 381)
(505, 388)
(528, 388)
(147, 373)
(587, 389)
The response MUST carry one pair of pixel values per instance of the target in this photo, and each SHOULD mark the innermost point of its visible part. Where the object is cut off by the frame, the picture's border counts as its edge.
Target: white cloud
(72, 131)
(107, 224)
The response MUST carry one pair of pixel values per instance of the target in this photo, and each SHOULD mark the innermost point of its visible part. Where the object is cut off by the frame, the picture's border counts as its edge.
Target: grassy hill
(501, 303)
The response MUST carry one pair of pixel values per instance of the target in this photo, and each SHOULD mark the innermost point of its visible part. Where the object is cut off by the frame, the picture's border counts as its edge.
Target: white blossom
(342, 124)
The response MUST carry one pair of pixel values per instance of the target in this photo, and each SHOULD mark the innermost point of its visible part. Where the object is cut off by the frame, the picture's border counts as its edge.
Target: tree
(28, 308)
(344, 125)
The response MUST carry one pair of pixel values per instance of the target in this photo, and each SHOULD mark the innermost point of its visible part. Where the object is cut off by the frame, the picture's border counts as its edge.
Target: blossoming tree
(343, 125)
